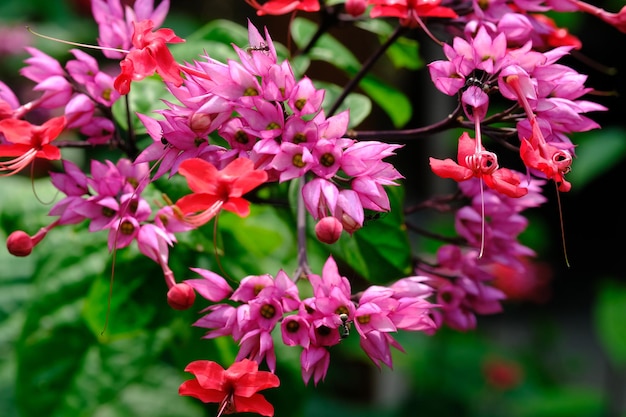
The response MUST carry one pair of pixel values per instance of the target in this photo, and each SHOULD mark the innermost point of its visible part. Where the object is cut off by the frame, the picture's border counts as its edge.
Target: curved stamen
(17, 164)
(563, 161)
(199, 219)
(483, 162)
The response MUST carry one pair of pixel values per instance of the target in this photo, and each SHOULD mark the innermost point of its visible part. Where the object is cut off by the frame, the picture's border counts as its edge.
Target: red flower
(409, 11)
(26, 142)
(550, 160)
(480, 164)
(151, 54)
(278, 7)
(235, 389)
(214, 190)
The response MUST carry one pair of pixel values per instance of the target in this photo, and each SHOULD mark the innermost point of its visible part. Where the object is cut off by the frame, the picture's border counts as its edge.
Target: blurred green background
(561, 353)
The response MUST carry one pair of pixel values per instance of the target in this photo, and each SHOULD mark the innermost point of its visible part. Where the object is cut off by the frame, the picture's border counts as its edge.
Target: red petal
(51, 129)
(449, 169)
(17, 131)
(237, 205)
(241, 368)
(14, 150)
(49, 152)
(193, 389)
(210, 375)
(254, 382)
(467, 146)
(255, 404)
(194, 203)
(506, 182)
(201, 175)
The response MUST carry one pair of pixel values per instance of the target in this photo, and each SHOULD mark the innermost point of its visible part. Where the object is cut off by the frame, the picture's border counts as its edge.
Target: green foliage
(609, 312)
(404, 53)
(596, 154)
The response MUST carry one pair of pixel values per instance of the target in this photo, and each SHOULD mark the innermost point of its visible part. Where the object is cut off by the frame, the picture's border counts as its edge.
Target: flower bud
(19, 243)
(200, 122)
(356, 7)
(328, 230)
(181, 296)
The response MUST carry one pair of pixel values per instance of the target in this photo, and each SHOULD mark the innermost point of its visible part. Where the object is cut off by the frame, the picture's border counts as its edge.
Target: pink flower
(315, 361)
(212, 286)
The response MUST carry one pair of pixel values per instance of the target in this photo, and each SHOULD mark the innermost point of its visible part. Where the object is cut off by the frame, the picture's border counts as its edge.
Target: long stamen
(558, 200)
(203, 217)
(17, 164)
(225, 405)
(81, 45)
(482, 219)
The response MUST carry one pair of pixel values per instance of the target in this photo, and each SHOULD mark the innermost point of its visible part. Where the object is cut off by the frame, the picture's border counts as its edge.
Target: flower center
(482, 162)
(297, 160)
(242, 137)
(127, 227)
(328, 159)
(268, 311)
(563, 161)
(293, 326)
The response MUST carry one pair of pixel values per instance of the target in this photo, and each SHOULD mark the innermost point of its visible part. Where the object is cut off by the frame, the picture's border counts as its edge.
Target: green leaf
(263, 242)
(217, 38)
(609, 315)
(597, 152)
(145, 97)
(563, 402)
(328, 49)
(360, 106)
(404, 53)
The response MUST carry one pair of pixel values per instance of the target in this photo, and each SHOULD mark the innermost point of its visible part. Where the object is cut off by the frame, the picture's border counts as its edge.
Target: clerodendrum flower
(25, 142)
(149, 56)
(214, 190)
(478, 164)
(235, 389)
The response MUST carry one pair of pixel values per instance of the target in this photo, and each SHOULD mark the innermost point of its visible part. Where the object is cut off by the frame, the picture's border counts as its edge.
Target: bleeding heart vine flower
(214, 190)
(26, 142)
(235, 389)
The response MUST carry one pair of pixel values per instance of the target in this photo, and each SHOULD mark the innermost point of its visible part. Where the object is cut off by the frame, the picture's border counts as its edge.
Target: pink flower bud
(328, 230)
(355, 7)
(19, 243)
(199, 122)
(181, 296)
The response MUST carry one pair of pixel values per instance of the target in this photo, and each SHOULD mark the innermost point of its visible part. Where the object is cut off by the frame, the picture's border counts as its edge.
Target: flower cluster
(264, 303)
(267, 115)
(231, 127)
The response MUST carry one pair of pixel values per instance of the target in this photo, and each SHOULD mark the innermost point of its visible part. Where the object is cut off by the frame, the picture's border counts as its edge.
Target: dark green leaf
(597, 152)
(359, 105)
(609, 314)
(404, 53)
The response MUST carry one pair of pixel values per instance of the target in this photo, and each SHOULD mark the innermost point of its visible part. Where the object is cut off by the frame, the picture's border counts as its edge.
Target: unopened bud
(19, 243)
(355, 7)
(328, 230)
(181, 296)
(200, 122)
